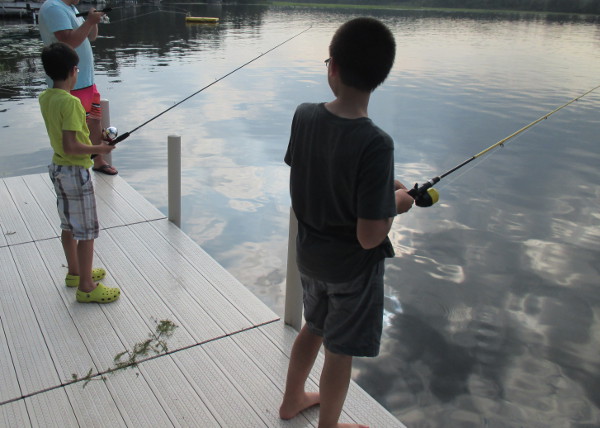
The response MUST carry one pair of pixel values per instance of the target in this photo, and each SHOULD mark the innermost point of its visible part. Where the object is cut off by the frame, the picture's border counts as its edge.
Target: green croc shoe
(100, 294)
(73, 280)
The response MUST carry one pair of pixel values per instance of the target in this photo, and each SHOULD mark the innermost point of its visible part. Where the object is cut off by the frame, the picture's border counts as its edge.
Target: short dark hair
(58, 60)
(364, 49)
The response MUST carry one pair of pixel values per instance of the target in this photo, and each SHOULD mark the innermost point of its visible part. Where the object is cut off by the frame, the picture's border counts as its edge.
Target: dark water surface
(493, 303)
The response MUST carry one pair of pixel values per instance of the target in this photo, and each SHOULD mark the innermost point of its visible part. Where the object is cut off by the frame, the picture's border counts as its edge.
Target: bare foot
(291, 407)
(352, 426)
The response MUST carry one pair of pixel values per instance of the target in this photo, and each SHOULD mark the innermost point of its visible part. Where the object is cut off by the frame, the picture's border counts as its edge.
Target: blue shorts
(75, 200)
(348, 315)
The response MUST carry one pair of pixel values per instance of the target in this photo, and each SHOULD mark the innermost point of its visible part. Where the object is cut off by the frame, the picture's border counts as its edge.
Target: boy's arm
(404, 201)
(87, 30)
(371, 233)
(73, 147)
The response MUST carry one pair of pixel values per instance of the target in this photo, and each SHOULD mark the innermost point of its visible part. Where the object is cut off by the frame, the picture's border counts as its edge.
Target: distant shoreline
(420, 8)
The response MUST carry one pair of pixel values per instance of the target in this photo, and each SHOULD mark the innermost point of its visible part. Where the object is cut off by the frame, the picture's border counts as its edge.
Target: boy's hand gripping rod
(425, 195)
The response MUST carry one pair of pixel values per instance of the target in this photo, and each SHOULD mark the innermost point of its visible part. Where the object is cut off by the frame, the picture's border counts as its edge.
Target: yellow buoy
(201, 19)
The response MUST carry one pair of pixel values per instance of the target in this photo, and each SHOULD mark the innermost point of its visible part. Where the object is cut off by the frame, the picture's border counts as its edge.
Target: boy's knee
(337, 357)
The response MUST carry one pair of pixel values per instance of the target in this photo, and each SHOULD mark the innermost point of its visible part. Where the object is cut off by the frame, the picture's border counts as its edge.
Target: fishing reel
(425, 195)
(109, 134)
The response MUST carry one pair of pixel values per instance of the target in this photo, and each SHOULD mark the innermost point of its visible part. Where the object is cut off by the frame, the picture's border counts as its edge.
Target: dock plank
(210, 383)
(142, 288)
(239, 296)
(52, 409)
(182, 403)
(31, 360)
(42, 190)
(134, 200)
(38, 225)
(172, 288)
(210, 292)
(65, 346)
(14, 415)
(8, 376)
(93, 405)
(13, 227)
(113, 209)
(93, 325)
(249, 379)
(135, 399)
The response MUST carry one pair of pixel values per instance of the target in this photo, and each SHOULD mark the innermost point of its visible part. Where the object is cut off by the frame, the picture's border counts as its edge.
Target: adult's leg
(90, 99)
(304, 352)
(95, 128)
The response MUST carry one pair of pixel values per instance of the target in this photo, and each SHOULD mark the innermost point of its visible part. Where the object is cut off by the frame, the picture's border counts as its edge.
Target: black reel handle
(425, 195)
(106, 9)
(115, 141)
(119, 139)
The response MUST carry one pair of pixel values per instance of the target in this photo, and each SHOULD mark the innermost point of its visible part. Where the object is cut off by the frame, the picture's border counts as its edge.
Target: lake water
(492, 301)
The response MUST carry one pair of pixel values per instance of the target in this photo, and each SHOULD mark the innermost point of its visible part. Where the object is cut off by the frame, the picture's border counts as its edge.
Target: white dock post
(293, 287)
(105, 123)
(174, 178)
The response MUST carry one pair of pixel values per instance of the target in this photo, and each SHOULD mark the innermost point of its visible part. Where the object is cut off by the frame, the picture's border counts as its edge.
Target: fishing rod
(86, 13)
(120, 138)
(425, 195)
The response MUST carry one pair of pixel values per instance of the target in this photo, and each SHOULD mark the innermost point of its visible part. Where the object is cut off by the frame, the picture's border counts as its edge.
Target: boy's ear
(332, 67)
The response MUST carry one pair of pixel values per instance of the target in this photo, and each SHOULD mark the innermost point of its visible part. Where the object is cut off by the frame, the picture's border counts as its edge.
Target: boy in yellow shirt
(64, 117)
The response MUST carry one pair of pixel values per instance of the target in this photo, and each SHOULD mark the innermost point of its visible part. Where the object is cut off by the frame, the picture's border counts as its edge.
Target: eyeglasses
(77, 69)
(327, 62)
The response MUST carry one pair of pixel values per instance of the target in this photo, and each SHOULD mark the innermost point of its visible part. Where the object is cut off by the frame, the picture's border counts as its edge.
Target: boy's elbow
(69, 150)
(371, 233)
(368, 243)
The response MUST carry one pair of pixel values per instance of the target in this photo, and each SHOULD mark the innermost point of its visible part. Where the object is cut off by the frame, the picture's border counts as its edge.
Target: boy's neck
(349, 103)
(65, 85)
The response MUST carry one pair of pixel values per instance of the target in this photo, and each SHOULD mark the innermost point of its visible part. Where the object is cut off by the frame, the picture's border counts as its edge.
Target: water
(492, 303)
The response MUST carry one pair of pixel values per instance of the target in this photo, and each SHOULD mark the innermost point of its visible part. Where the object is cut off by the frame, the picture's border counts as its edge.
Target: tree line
(561, 6)
(564, 6)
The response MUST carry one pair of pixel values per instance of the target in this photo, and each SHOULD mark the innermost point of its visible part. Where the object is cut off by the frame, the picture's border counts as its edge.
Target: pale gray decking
(227, 360)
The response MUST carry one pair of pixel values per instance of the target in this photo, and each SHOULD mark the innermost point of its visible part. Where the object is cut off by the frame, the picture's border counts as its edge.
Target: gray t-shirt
(341, 170)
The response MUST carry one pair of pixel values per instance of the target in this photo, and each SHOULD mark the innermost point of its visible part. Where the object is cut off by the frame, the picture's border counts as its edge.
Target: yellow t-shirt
(64, 112)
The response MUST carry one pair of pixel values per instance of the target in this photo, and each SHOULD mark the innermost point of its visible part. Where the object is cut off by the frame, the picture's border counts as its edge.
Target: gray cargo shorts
(75, 201)
(348, 315)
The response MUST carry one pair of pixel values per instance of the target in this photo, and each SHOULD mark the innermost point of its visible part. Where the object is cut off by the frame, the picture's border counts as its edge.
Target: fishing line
(425, 195)
(137, 16)
(110, 9)
(481, 161)
(125, 135)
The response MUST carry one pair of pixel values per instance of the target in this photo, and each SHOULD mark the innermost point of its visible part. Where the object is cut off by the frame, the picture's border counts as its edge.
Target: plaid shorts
(90, 100)
(348, 315)
(75, 200)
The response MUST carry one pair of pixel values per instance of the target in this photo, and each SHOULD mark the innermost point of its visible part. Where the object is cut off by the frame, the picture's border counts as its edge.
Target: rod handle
(115, 141)
(119, 139)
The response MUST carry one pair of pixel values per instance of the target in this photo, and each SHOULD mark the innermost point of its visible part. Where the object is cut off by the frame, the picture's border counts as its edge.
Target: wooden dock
(227, 359)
